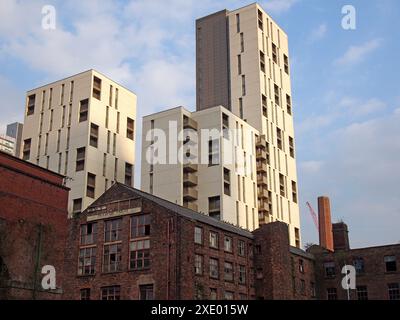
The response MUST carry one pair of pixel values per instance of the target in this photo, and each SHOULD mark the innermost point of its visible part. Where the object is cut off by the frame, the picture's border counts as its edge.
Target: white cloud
(358, 107)
(278, 6)
(310, 167)
(355, 54)
(319, 32)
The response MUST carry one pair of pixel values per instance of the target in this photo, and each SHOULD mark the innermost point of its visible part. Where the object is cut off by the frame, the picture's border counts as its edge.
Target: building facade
(202, 160)
(133, 245)
(7, 144)
(243, 64)
(33, 229)
(14, 130)
(84, 128)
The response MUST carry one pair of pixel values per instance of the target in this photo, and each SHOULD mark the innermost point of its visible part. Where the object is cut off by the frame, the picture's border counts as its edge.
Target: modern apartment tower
(205, 162)
(7, 144)
(243, 64)
(14, 130)
(84, 128)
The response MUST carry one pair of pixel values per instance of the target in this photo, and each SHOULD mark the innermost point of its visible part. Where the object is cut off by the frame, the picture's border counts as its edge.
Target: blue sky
(345, 85)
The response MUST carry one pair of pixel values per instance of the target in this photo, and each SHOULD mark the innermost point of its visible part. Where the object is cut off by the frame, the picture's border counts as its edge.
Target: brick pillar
(325, 223)
(340, 236)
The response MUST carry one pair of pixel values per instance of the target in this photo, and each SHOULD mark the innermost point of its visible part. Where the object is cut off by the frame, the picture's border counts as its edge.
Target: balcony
(262, 167)
(189, 123)
(191, 205)
(262, 193)
(262, 180)
(190, 167)
(261, 154)
(189, 179)
(190, 194)
(261, 142)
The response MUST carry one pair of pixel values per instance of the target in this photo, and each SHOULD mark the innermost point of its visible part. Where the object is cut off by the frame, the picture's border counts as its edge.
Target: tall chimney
(325, 223)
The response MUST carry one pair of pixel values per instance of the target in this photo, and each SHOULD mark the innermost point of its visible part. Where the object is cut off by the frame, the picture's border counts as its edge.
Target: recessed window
(241, 248)
(213, 294)
(214, 207)
(198, 264)
(91, 185)
(213, 152)
(286, 63)
(228, 271)
(87, 261)
(390, 263)
(394, 291)
(294, 191)
(140, 226)
(130, 129)
(112, 230)
(282, 185)
(276, 95)
(242, 274)
(83, 110)
(243, 85)
(85, 294)
(31, 105)
(88, 234)
(27, 149)
(362, 293)
(97, 88)
(359, 265)
(288, 104)
(214, 240)
(146, 292)
(332, 293)
(228, 295)
(228, 244)
(111, 293)
(262, 61)
(214, 266)
(227, 181)
(80, 159)
(279, 138)
(140, 254)
(274, 53)
(291, 147)
(128, 174)
(94, 135)
(198, 235)
(241, 42)
(329, 269)
(301, 265)
(112, 259)
(77, 206)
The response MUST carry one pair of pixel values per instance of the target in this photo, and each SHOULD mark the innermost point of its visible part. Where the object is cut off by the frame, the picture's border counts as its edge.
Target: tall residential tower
(243, 64)
(84, 128)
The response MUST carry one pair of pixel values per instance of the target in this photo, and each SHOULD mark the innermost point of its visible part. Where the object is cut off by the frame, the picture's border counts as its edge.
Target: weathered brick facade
(33, 226)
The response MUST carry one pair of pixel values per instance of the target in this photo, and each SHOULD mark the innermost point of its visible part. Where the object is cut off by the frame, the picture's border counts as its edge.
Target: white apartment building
(243, 64)
(206, 162)
(7, 144)
(84, 128)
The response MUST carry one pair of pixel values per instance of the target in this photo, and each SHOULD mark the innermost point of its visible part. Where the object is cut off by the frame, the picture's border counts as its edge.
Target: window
(31, 105)
(241, 248)
(130, 129)
(274, 53)
(80, 159)
(87, 261)
(394, 291)
(242, 275)
(301, 265)
(239, 61)
(27, 149)
(51, 120)
(362, 293)
(288, 104)
(260, 20)
(294, 191)
(279, 138)
(228, 247)
(213, 152)
(62, 94)
(63, 117)
(332, 293)
(96, 88)
(94, 135)
(112, 230)
(114, 144)
(329, 269)
(282, 185)
(225, 126)
(146, 292)
(228, 271)
(140, 226)
(77, 206)
(198, 264)
(276, 95)
(198, 235)
(227, 182)
(291, 147)
(214, 268)
(112, 258)
(71, 93)
(139, 255)
(111, 293)
(214, 240)
(110, 100)
(243, 85)
(286, 63)
(116, 98)
(313, 290)
(51, 98)
(302, 287)
(128, 174)
(359, 265)
(237, 23)
(83, 111)
(107, 116)
(241, 42)
(88, 234)
(85, 294)
(118, 121)
(228, 295)
(214, 204)
(390, 262)
(116, 169)
(213, 294)
(241, 108)
(262, 61)
(91, 185)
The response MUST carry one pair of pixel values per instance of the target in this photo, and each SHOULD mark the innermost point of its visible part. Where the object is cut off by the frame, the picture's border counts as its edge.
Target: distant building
(14, 130)
(377, 268)
(33, 228)
(84, 128)
(7, 144)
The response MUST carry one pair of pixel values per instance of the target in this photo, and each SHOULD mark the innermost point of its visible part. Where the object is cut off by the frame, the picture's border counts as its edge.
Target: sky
(345, 87)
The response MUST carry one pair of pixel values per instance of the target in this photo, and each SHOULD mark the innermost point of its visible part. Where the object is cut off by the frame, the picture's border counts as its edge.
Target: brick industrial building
(133, 245)
(33, 228)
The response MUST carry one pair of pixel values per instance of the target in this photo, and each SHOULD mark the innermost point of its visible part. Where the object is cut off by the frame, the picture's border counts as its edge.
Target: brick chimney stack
(325, 223)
